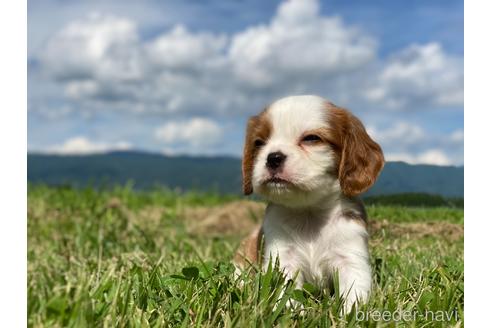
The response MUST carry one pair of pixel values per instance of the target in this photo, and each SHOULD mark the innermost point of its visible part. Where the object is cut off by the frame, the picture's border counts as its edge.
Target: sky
(182, 77)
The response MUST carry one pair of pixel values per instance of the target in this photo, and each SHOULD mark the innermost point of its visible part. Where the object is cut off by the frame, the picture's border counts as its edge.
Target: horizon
(184, 155)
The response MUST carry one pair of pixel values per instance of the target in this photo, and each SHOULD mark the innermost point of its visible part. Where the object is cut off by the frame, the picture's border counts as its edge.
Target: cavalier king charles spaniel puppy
(309, 159)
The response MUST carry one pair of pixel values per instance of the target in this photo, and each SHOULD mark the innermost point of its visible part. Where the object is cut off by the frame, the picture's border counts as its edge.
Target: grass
(122, 258)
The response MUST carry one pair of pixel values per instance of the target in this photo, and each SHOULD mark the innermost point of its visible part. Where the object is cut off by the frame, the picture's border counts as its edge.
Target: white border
(478, 148)
(478, 106)
(13, 141)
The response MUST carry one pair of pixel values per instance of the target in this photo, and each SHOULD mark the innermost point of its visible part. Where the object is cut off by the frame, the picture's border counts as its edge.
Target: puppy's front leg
(287, 265)
(283, 253)
(354, 276)
(349, 257)
(354, 272)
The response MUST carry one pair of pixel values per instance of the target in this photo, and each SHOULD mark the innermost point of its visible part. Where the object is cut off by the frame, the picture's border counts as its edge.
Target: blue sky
(183, 76)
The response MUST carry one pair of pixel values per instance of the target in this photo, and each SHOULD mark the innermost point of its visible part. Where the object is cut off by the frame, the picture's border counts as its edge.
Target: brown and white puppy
(310, 159)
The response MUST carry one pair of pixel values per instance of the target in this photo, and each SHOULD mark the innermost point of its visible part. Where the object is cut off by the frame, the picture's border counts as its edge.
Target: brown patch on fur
(258, 128)
(248, 252)
(357, 215)
(360, 158)
(356, 218)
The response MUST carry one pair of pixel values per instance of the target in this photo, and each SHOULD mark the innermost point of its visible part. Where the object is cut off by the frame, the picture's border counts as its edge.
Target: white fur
(304, 225)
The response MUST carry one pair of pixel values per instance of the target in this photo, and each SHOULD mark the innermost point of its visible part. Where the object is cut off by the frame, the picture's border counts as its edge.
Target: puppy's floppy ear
(249, 154)
(361, 158)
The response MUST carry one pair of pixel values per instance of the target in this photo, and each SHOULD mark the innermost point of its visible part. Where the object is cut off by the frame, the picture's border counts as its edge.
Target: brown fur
(259, 127)
(249, 250)
(360, 158)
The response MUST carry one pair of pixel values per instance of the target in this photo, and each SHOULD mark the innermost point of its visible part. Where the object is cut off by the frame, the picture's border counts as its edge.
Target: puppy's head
(301, 149)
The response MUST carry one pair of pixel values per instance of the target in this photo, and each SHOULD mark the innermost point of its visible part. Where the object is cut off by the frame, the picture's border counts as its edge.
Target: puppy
(310, 159)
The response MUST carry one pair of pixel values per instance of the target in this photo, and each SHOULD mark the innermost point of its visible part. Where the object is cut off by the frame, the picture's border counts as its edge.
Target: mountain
(222, 174)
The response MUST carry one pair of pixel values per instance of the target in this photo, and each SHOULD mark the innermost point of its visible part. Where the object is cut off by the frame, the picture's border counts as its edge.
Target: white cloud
(432, 156)
(181, 49)
(419, 75)
(297, 12)
(81, 145)
(98, 47)
(96, 59)
(300, 44)
(411, 143)
(80, 89)
(102, 63)
(458, 136)
(196, 132)
(401, 132)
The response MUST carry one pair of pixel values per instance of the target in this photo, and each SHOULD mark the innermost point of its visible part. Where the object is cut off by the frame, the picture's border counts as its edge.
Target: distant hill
(222, 174)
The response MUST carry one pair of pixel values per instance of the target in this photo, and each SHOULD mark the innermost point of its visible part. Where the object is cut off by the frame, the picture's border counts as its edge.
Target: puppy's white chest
(312, 259)
(302, 244)
(313, 245)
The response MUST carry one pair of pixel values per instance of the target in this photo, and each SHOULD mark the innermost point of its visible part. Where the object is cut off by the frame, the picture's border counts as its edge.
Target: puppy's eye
(259, 143)
(311, 138)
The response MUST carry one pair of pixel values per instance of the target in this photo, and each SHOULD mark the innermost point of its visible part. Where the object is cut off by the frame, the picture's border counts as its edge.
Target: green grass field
(138, 259)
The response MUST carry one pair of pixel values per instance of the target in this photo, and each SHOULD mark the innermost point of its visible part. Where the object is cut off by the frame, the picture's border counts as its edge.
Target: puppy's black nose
(275, 160)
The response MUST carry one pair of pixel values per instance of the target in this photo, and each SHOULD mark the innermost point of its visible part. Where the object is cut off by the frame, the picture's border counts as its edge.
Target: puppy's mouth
(277, 182)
